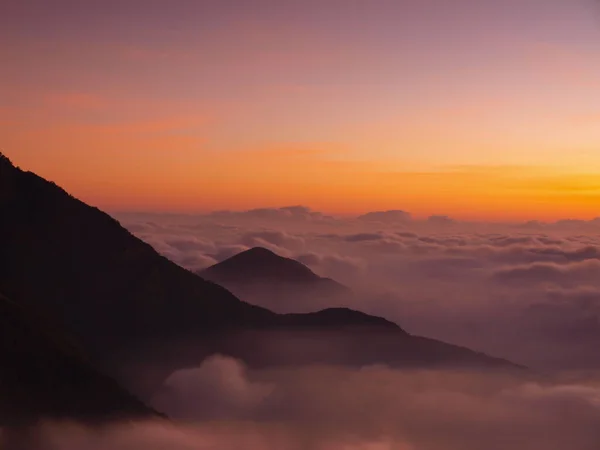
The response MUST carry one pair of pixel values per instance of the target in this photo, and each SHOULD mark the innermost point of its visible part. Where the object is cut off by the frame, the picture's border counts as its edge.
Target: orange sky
(478, 112)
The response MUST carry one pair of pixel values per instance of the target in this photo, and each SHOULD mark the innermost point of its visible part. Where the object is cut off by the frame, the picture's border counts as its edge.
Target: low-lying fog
(222, 405)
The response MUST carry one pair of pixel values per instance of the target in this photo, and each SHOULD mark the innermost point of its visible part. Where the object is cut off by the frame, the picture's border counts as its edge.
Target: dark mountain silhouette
(105, 285)
(341, 317)
(262, 277)
(259, 263)
(44, 375)
(128, 306)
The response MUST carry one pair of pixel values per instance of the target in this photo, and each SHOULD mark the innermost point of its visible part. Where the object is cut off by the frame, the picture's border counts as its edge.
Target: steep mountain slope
(43, 375)
(104, 284)
(260, 276)
(126, 303)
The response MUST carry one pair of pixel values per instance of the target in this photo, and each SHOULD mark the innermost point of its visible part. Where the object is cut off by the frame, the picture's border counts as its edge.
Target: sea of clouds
(528, 292)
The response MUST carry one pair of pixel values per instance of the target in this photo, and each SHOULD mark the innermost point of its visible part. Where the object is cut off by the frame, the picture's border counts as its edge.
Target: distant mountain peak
(259, 252)
(261, 277)
(260, 264)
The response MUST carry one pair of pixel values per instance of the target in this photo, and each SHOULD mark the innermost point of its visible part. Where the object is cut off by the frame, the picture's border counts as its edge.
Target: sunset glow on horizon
(480, 110)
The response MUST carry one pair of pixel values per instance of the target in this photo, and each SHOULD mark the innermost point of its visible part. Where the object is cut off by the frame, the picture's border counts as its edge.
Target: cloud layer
(223, 405)
(528, 292)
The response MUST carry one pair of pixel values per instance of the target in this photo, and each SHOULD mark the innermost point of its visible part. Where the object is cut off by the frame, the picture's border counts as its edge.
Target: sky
(481, 110)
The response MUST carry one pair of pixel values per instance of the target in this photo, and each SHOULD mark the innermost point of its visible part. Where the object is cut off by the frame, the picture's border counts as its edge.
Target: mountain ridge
(121, 299)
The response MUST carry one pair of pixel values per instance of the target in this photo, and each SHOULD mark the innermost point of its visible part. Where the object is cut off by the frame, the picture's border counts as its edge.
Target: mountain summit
(261, 277)
(260, 264)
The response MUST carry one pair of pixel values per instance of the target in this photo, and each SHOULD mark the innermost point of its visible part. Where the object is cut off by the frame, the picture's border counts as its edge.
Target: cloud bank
(223, 405)
(527, 292)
